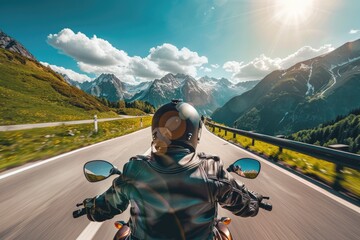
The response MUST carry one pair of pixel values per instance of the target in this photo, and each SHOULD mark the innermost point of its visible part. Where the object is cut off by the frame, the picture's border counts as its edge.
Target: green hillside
(30, 93)
(344, 130)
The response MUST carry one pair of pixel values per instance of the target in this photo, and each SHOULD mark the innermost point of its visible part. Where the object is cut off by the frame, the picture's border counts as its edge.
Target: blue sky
(141, 40)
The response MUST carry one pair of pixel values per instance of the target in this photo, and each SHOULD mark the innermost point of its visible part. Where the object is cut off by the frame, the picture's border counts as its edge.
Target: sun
(293, 12)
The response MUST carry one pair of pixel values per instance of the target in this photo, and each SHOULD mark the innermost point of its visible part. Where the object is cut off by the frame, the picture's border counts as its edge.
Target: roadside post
(141, 122)
(95, 123)
(339, 168)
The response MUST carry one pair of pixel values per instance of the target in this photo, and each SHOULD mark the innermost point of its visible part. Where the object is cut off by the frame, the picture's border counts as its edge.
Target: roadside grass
(310, 166)
(20, 147)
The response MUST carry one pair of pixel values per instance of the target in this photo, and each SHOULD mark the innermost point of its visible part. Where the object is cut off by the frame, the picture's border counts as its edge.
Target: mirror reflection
(97, 170)
(246, 167)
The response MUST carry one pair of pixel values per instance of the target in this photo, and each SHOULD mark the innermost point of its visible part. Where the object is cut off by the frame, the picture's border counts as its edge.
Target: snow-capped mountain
(172, 86)
(70, 81)
(106, 86)
(223, 90)
(206, 93)
(305, 95)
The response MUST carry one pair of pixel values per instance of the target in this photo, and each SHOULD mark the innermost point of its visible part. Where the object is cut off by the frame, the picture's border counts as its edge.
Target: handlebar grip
(266, 206)
(79, 213)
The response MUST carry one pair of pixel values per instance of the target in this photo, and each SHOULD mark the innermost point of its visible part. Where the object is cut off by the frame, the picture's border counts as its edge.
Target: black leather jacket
(173, 201)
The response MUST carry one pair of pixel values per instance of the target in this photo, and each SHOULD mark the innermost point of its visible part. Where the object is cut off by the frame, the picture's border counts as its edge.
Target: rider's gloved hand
(89, 205)
(95, 209)
(255, 200)
(257, 196)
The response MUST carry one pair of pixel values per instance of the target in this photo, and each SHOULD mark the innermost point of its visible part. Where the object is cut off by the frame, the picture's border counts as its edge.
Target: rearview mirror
(99, 170)
(245, 167)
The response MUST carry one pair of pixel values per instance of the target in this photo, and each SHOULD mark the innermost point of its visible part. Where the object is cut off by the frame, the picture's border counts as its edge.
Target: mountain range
(206, 93)
(300, 97)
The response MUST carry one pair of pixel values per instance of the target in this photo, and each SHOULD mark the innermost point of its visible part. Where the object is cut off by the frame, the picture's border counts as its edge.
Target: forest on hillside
(129, 108)
(342, 130)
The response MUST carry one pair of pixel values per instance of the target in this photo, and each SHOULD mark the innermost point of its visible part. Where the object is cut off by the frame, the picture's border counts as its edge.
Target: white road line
(3, 176)
(91, 229)
(309, 184)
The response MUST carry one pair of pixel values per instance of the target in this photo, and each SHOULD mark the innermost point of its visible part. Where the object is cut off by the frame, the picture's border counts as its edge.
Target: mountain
(223, 90)
(12, 45)
(248, 85)
(31, 92)
(206, 93)
(107, 86)
(135, 89)
(70, 81)
(172, 86)
(303, 96)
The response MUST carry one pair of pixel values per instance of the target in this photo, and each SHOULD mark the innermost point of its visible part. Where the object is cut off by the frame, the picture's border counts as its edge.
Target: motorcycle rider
(174, 193)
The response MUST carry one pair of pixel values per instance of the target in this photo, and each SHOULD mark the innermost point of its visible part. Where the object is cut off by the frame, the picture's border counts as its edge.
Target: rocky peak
(12, 45)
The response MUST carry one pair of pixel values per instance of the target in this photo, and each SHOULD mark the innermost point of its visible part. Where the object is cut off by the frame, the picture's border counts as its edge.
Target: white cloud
(263, 65)
(170, 59)
(70, 73)
(93, 50)
(354, 31)
(205, 69)
(95, 55)
(215, 66)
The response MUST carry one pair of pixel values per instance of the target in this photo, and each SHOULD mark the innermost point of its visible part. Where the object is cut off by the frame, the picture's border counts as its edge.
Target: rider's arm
(233, 195)
(110, 203)
(235, 198)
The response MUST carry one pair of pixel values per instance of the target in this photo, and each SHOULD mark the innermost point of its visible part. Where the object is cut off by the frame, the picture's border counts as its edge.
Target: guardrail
(340, 158)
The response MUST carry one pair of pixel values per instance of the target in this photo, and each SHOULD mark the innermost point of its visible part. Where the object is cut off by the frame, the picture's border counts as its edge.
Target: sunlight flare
(293, 12)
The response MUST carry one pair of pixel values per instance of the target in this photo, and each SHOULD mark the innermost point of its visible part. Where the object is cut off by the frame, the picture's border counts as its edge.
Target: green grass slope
(30, 93)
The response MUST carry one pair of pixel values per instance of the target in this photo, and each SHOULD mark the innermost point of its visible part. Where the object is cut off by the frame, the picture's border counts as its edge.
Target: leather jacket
(173, 201)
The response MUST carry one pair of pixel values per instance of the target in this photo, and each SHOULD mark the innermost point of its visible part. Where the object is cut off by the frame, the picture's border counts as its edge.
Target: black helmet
(176, 124)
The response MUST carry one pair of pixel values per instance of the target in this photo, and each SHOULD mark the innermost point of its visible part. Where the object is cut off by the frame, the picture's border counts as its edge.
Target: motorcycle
(98, 170)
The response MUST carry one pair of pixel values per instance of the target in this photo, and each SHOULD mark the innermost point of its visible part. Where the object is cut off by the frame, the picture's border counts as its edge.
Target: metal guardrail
(340, 158)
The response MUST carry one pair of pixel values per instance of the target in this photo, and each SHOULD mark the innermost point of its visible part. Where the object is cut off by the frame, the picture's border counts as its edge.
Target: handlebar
(266, 206)
(79, 213)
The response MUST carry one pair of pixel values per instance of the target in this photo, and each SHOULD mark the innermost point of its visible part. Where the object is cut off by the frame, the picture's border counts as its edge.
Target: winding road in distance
(37, 199)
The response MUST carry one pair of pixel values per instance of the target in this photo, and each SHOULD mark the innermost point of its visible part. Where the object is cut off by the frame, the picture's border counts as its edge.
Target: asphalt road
(37, 203)
(53, 124)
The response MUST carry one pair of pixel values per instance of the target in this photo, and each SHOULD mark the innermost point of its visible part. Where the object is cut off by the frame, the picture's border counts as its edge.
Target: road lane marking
(309, 184)
(41, 162)
(91, 229)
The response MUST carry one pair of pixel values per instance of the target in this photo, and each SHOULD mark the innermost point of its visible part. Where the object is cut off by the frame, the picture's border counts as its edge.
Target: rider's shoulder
(135, 164)
(212, 165)
(135, 161)
(140, 158)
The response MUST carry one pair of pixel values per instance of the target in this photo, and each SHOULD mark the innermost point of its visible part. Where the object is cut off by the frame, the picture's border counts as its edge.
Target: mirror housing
(98, 170)
(245, 167)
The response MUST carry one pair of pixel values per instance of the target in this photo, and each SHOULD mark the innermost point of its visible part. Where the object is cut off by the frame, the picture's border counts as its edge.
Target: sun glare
(293, 12)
